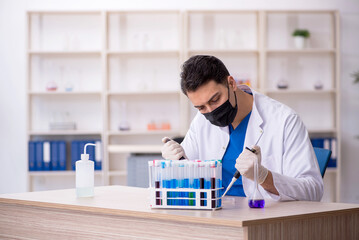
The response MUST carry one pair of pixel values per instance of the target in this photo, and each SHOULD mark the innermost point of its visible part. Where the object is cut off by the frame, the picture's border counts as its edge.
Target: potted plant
(300, 37)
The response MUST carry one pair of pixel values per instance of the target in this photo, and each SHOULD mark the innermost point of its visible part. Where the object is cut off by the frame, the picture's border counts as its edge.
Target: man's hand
(172, 150)
(245, 164)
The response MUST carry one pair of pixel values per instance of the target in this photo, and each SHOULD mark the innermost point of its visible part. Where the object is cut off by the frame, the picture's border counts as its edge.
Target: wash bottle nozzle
(85, 156)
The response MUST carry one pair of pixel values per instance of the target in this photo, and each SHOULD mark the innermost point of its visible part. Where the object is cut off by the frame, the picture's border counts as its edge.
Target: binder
(91, 151)
(98, 156)
(32, 156)
(333, 160)
(39, 156)
(74, 154)
(62, 155)
(318, 142)
(46, 156)
(54, 156)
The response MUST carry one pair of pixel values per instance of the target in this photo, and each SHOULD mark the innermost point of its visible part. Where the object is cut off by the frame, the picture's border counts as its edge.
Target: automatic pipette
(237, 174)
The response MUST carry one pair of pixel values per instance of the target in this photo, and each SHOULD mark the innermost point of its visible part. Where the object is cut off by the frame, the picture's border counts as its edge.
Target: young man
(233, 117)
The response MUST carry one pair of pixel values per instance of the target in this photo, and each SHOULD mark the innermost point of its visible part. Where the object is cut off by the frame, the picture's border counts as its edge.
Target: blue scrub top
(234, 148)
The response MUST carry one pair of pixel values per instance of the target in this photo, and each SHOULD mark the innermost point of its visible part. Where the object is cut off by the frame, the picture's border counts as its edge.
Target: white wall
(13, 74)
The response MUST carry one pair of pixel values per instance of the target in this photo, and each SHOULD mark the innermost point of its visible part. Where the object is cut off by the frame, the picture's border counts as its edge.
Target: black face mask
(224, 114)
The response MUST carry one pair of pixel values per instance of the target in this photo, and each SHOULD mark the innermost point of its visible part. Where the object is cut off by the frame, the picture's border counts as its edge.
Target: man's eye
(214, 100)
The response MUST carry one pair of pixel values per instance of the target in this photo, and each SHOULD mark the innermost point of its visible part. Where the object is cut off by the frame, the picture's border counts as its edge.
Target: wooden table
(118, 212)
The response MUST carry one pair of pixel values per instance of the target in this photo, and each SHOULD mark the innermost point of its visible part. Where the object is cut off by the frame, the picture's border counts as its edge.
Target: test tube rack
(185, 184)
(186, 198)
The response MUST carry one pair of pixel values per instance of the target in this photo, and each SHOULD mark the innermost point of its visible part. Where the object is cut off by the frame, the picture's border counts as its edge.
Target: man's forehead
(204, 93)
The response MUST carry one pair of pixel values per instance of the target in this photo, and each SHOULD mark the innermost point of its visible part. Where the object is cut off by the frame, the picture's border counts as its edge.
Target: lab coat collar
(254, 129)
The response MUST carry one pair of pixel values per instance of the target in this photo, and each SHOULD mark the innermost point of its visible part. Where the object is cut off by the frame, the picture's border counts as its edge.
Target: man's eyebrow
(215, 95)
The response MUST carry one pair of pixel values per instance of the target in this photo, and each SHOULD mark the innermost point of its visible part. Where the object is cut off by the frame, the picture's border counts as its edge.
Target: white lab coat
(285, 145)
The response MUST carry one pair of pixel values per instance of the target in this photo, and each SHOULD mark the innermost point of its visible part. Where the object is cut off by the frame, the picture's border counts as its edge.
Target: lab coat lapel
(254, 129)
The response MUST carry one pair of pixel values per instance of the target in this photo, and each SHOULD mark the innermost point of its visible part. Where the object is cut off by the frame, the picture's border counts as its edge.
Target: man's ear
(232, 83)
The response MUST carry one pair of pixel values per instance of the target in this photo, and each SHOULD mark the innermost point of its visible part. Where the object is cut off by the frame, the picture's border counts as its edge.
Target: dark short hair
(201, 69)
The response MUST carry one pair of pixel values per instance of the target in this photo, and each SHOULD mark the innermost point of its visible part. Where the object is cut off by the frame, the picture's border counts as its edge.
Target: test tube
(201, 175)
(196, 175)
(213, 174)
(181, 182)
(192, 194)
(186, 175)
(190, 173)
(207, 175)
(150, 174)
(174, 174)
(163, 174)
(174, 178)
(158, 179)
(157, 173)
(181, 174)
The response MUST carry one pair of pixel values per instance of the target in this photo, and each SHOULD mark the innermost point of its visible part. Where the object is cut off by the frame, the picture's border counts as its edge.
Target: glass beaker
(256, 200)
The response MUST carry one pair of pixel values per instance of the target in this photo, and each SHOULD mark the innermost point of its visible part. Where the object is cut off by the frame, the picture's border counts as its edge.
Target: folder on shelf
(74, 153)
(98, 156)
(39, 156)
(333, 147)
(32, 156)
(54, 156)
(90, 150)
(46, 156)
(62, 155)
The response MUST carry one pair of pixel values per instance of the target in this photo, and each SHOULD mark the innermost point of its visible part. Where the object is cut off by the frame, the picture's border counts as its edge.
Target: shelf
(32, 52)
(63, 132)
(134, 148)
(144, 93)
(57, 173)
(57, 93)
(65, 12)
(292, 91)
(330, 130)
(117, 173)
(300, 11)
(296, 51)
(144, 132)
(144, 52)
(223, 51)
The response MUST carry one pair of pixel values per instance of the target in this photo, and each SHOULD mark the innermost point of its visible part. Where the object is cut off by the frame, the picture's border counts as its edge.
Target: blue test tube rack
(185, 184)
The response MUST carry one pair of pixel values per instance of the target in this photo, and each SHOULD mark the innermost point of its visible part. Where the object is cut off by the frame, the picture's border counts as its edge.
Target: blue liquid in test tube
(196, 175)
(207, 175)
(186, 182)
(174, 180)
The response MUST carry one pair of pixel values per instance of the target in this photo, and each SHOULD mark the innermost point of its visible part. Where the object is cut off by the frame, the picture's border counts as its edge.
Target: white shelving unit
(125, 65)
(111, 58)
(59, 54)
(300, 69)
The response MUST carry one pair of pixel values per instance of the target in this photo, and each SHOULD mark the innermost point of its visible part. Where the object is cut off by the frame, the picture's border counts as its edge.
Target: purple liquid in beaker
(256, 203)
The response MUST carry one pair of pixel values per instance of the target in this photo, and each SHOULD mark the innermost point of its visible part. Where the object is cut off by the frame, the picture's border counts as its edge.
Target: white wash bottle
(85, 173)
